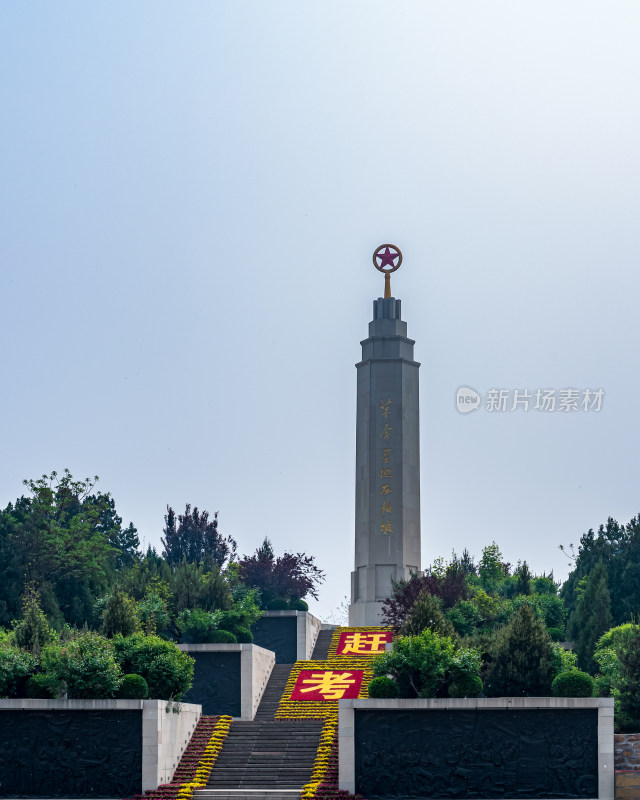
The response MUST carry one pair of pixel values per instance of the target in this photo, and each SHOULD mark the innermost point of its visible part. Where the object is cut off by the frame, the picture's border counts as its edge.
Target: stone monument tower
(387, 455)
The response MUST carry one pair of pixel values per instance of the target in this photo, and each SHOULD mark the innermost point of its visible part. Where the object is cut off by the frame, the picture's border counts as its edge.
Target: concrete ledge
(604, 706)
(73, 705)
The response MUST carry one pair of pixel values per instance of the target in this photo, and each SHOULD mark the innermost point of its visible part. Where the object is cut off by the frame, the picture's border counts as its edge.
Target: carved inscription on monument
(385, 468)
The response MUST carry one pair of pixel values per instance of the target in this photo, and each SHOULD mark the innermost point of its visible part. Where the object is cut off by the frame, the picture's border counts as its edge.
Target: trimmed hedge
(572, 683)
(277, 604)
(133, 687)
(223, 637)
(383, 687)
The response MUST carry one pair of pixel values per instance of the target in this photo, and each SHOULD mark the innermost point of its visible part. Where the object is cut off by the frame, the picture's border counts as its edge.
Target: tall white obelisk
(387, 535)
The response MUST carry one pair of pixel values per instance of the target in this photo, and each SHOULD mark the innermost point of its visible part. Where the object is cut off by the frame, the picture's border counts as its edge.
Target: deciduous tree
(287, 576)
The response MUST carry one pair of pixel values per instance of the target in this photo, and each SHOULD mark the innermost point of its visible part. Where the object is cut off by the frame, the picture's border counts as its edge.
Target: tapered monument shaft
(387, 540)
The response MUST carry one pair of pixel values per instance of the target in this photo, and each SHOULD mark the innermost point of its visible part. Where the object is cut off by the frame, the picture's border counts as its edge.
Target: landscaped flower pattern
(197, 761)
(206, 742)
(324, 777)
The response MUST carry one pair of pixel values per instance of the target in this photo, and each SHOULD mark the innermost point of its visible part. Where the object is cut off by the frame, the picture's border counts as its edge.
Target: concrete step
(321, 649)
(273, 692)
(247, 794)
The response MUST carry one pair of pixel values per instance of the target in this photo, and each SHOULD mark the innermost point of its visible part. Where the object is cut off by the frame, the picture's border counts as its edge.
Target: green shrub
(464, 617)
(556, 634)
(223, 637)
(167, 670)
(466, 686)
(563, 660)
(298, 605)
(45, 687)
(553, 610)
(15, 668)
(608, 678)
(425, 665)
(616, 638)
(197, 625)
(153, 609)
(573, 683)
(243, 635)
(86, 664)
(383, 687)
(425, 613)
(601, 686)
(133, 687)
(277, 604)
(629, 684)
(234, 620)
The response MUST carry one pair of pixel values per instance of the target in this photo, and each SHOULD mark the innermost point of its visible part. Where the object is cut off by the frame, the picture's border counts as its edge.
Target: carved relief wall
(528, 753)
(279, 634)
(216, 683)
(70, 753)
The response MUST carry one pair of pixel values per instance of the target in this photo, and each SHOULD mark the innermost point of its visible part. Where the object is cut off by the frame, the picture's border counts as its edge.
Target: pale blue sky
(190, 196)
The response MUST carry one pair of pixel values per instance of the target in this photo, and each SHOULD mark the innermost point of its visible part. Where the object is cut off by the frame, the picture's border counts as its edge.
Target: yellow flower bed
(207, 760)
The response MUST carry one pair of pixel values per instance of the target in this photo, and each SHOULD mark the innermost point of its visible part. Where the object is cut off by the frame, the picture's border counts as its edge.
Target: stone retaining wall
(518, 747)
(229, 678)
(90, 748)
(627, 751)
(290, 634)
(627, 785)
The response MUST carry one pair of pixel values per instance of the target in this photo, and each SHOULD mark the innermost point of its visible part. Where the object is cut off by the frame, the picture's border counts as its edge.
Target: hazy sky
(190, 196)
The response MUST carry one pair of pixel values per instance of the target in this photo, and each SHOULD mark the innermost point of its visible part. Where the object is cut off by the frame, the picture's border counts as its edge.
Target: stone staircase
(321, 649)
(272, 693)
(266, 759)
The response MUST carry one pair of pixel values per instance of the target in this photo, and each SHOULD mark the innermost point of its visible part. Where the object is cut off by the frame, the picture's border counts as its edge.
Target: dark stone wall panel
(528, 753)
(70, 753)
(279, 634)
(216, 683)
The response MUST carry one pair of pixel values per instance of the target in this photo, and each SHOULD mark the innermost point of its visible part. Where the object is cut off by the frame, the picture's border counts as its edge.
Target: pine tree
(427, 614)
(32, 632)
(196, 538)
(523, 579)
(591, 617)
(120, 615)
(522, 658)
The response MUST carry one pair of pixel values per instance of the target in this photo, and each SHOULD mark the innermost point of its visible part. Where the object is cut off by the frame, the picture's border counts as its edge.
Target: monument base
(365, 613)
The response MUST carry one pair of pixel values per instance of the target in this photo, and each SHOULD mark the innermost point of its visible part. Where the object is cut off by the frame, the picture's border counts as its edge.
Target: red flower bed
(328, 788)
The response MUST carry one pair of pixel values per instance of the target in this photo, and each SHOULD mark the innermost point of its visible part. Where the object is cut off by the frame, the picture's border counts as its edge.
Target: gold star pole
(384, 260)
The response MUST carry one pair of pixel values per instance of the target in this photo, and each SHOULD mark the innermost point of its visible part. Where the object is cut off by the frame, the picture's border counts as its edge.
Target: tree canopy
(195, 538)
(289, 576)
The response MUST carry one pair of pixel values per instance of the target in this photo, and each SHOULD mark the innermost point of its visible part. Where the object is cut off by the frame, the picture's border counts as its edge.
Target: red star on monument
(387, 258)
